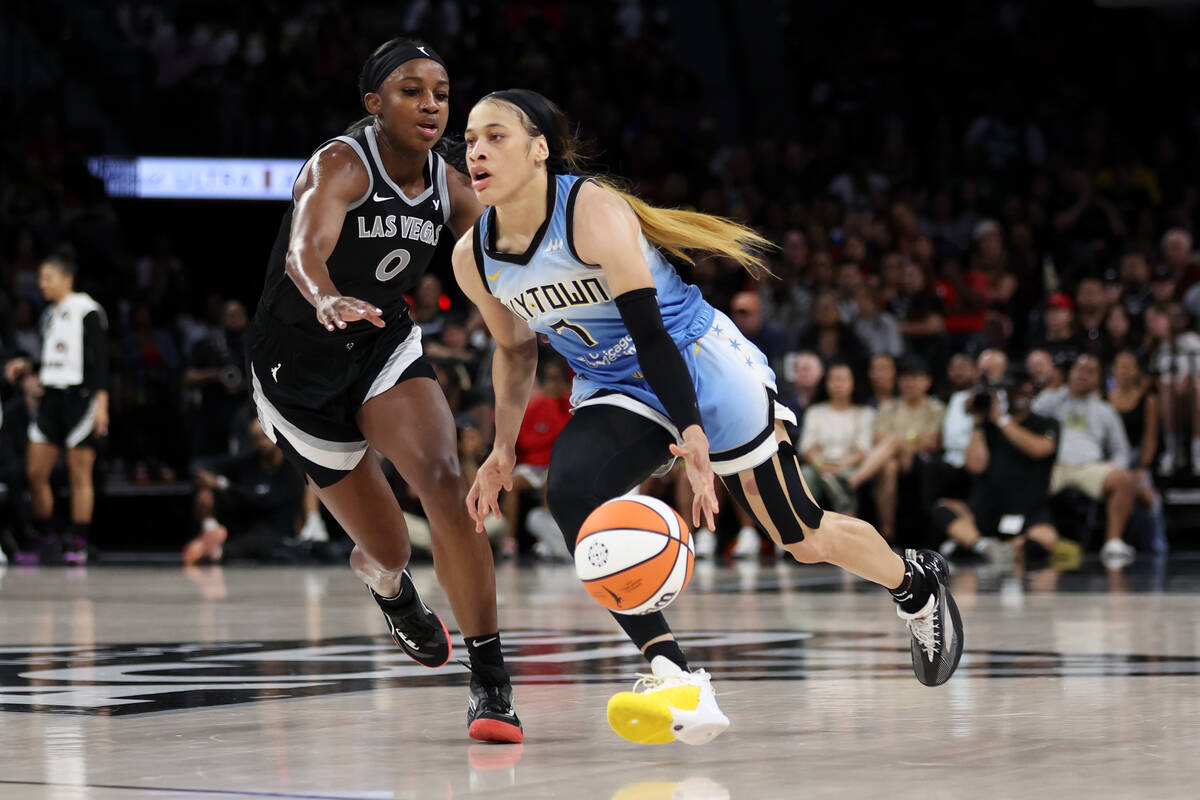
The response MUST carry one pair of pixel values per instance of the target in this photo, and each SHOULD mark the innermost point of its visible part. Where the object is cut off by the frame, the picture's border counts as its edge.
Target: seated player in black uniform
(73, 409)
(1011, 455)
(248, 505)
(336, 367)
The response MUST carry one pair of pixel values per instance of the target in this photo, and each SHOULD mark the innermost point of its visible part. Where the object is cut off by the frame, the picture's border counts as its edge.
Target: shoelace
(415, 626)
(652, 683)
(495, 700)
(925, 631)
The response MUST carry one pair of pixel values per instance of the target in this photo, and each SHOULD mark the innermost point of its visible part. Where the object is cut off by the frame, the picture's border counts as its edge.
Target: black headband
(387, 63)
(538, 109)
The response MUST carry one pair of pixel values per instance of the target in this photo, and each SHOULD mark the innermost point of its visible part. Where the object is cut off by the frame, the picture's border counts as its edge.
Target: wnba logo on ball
(634, 554)
(597, 554)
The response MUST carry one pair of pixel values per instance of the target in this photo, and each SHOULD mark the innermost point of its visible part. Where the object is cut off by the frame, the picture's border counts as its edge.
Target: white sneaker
(1115, 553)
(747, 543)
(314, 529)
(669, 705)
(994, 550)
(548, 539)
(706, 543)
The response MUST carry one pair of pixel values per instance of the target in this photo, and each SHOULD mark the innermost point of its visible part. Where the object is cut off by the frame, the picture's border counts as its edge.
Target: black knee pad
(942, 518)
(787, 517)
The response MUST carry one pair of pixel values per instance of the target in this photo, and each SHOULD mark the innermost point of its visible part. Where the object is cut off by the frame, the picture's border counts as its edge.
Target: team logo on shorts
(130, 679)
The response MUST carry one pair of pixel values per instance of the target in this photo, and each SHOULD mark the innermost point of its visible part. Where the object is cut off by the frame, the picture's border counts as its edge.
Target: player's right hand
(335, 310)
(494, 474)
(694, 452)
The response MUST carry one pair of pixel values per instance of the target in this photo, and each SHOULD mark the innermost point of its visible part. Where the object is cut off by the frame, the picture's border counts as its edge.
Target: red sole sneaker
(493, 730)
(449, 646)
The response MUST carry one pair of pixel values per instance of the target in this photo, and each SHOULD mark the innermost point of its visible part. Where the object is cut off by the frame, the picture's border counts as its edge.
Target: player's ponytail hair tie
(387, 57)
(546, 120)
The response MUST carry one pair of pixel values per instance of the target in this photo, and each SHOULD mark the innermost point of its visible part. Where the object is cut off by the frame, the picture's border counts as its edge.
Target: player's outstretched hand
(335, 310)
(494, 474)
(694, 452)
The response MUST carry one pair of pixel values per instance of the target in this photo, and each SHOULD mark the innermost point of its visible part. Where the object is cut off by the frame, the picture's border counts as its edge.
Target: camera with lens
(981, 398)
(231, 376)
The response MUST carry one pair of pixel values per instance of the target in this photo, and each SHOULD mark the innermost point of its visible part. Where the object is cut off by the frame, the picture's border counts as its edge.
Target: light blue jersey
(569, 300)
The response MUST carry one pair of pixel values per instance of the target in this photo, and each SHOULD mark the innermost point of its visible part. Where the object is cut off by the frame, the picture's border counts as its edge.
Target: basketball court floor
(280, 683)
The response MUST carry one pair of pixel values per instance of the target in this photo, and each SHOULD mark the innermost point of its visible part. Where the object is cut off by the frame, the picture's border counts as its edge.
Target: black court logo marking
(117, 680)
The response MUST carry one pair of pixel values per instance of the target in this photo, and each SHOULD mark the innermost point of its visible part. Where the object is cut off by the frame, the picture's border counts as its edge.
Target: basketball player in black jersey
(72, 414)
(336, 366)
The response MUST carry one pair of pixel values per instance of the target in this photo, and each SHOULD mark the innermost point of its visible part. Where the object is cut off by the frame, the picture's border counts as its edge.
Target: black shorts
(989, 521)
(308, 388)
(65, 418)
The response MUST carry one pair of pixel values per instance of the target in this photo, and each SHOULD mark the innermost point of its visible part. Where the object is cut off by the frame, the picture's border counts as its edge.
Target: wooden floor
(279, 683)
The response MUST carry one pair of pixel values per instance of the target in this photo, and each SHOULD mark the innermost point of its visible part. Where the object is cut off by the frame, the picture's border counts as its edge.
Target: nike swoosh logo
(497, 275)
(485, 641)
(379, 199)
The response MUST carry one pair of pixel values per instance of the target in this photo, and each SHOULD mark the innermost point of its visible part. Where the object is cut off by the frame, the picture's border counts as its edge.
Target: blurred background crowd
(976, 215)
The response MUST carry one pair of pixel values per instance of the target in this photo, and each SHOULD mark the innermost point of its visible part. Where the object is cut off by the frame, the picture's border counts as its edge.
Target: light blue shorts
(734, 386)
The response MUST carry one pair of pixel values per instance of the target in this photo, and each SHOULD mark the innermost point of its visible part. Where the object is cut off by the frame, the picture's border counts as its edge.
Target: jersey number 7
(578, 330)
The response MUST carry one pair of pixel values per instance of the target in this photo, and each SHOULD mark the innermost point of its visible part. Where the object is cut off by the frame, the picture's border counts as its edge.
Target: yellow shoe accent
(646, 718)
(1066, 555)
(647, 790)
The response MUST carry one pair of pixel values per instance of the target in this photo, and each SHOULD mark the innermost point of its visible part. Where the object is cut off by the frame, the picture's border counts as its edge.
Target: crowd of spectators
(930, 222)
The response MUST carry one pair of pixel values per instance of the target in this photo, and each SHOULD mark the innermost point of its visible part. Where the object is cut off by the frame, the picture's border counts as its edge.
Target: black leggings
(603, 452)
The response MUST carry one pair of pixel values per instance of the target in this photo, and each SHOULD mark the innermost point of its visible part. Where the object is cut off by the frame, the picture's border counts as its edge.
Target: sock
(403, 598)
(669, 648)
(913, 592)
(43, 529)
(487, 661)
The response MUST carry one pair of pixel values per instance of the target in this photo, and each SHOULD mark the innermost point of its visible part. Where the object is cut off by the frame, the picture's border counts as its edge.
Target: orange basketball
(634, 554)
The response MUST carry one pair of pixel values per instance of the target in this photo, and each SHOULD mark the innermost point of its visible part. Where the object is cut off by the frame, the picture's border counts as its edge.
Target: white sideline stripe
(83, 428)
(401, 359)
(325, 453)
(750, 460)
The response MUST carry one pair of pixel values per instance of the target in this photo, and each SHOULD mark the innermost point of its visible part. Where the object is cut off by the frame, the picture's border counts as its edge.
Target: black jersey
(386, 244)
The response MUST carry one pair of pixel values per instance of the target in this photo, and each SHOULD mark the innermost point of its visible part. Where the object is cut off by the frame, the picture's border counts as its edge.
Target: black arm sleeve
(95, 352)
(659, 356)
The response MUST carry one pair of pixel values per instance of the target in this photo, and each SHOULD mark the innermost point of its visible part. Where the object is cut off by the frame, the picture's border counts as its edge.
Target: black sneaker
(75, 552)
(490, 714)
(416, 629)
(937, 630)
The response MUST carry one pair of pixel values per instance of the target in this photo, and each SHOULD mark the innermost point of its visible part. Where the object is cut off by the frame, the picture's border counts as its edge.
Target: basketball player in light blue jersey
(660, 374)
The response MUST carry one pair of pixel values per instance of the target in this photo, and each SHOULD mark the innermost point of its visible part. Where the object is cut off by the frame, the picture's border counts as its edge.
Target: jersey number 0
(392, 264)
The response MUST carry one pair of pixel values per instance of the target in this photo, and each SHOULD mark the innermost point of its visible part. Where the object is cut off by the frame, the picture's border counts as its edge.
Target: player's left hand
(694, 452)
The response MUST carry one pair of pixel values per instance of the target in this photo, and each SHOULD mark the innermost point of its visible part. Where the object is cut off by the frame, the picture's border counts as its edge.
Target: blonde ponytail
(678, 231)
(674, 230)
